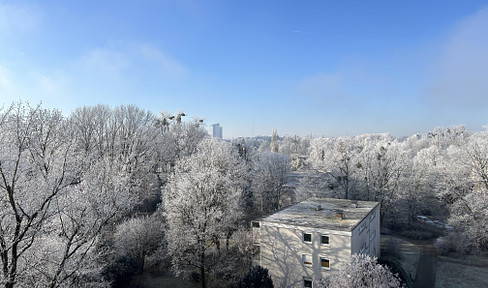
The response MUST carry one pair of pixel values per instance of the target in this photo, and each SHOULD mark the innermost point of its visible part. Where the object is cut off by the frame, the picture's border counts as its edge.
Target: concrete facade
(310, 240)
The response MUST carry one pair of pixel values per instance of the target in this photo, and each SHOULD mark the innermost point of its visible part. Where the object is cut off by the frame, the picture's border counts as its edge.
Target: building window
(372, 216)
(324, 240)
(255, 224)
(307, 260)
(324, 263)
(307, 237)
(256, 254)
(361, 227)
(363, 248)
(307, 283)
(371, 237)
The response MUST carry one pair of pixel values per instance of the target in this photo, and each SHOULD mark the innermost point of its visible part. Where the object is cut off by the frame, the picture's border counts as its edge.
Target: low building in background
(308, 241)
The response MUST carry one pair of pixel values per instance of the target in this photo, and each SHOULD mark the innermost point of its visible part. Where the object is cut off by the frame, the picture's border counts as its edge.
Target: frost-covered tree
(420, 184)
(201, 204)
(126, 136)
(179, 139)
(270, 174)
(139, 237)
(466, 190)
(363, 271)
(39, 169)
(338, 158)
(68, 253)
(36, 165)
(275, 145)
(58, 194)
(314, 184)
(469, 218)
(342, 158)
(382, 164)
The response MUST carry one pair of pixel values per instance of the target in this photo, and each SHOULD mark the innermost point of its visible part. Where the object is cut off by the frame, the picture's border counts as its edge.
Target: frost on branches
(363, 271)
(36, 166)
(270, 174)
(56, 199)
(201, 205)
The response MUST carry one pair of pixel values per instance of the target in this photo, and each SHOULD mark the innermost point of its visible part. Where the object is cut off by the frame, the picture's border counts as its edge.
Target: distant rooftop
(306, 213)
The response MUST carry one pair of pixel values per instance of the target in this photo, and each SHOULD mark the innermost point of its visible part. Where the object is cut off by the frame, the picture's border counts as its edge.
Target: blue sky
(327, 68)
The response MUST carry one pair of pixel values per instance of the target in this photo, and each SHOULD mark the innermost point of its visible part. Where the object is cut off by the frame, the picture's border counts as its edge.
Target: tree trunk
(202, 270)
(217, 244)
(229, 234)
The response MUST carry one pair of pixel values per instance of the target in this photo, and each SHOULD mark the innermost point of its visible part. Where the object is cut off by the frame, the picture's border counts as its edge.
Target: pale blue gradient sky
(303, 67)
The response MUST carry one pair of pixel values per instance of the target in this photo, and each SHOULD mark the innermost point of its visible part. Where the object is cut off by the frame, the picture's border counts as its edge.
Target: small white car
(437, 223)
(424, 219)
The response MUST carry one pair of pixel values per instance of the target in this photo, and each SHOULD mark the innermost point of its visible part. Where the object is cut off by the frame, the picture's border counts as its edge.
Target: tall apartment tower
(217, 131)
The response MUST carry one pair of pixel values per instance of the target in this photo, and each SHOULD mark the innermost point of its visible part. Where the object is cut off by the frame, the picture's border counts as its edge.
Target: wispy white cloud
(16, 19)
(458, 76)
(355, 85)
(33, 86)
(52, 84)
(119, 62)
(5, 82)
(323, 87)
(104, 62)
(166, 64)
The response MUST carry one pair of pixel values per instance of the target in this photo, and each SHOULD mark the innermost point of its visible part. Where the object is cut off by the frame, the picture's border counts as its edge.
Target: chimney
(339, 215)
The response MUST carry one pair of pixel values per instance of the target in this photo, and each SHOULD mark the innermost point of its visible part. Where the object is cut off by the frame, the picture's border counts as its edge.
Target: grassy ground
(164, 280)
(409, 253)
(450, 271)
(457, 275)
(480, 260)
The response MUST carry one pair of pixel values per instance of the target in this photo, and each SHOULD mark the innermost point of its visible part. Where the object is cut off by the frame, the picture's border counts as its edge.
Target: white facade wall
(282, 249)
(366, 235)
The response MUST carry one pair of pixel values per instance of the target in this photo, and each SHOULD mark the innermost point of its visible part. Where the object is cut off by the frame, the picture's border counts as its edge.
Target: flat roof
(306, 213)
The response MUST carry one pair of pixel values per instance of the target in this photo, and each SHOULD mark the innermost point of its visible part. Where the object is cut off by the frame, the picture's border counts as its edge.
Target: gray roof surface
(306, 214)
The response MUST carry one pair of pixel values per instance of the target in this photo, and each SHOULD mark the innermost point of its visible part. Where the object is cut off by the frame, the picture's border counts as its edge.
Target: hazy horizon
(315, 68)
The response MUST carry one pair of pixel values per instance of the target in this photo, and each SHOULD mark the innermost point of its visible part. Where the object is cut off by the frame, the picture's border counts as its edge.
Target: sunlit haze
(302, 67)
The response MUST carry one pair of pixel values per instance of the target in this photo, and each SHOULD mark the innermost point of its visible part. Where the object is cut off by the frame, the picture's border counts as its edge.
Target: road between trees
(426, 268)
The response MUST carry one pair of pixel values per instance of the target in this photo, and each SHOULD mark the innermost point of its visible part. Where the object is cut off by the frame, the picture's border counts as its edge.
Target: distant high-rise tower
(217, 131)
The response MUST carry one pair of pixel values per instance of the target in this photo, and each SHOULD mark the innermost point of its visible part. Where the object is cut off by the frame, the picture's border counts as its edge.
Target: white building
(217, 131)
(308, 241)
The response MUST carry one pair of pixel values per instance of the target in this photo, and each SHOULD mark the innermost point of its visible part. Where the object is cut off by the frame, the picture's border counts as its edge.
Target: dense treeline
(442, 174)
(104, 193)
(81, 196)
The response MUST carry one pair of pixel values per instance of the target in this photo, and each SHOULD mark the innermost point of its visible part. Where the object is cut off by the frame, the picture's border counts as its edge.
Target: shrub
(363, 271)
(257, 277)
(443, 245)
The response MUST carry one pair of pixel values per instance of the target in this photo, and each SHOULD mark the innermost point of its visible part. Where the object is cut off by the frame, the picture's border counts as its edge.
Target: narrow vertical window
(256, 253)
